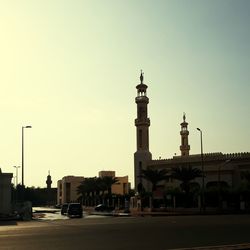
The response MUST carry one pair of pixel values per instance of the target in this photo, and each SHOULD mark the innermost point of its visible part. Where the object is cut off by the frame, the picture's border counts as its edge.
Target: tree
(94, 185)
(88, 186)
(107, 182)
(154, 176)
(89, 190)
(82, 189)
(245, 186)
(186, 175)
(38, 196)
(246, 176)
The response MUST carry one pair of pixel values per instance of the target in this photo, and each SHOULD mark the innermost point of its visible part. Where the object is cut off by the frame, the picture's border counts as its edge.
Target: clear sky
(69, 69)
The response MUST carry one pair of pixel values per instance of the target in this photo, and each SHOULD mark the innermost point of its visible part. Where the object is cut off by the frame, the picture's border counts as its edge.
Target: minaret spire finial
(141, 77)
(184, 116)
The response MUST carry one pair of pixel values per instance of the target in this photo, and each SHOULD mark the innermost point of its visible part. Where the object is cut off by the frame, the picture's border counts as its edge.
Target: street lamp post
(203, 174)
(23, 153)
(16, 167)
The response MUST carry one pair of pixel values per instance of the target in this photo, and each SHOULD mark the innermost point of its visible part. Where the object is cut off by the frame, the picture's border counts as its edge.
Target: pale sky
(69, 69)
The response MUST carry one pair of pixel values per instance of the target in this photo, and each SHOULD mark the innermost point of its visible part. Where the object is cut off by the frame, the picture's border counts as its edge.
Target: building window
(68, 187)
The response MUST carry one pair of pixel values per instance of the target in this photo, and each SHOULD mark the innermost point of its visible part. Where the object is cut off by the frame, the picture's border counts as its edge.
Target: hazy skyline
(69, 69)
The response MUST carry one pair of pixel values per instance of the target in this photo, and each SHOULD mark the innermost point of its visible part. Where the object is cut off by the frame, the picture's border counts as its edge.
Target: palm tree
(89, 188)
(108, 181)
(82, 189)
(101, 187)
(186, 175)
(154, 176)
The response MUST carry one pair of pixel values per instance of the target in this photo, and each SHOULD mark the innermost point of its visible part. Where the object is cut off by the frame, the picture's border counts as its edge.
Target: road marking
(220, 247)
(13, 235)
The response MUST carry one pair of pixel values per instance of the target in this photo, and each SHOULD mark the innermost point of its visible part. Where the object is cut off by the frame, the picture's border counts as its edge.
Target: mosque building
(217, 166)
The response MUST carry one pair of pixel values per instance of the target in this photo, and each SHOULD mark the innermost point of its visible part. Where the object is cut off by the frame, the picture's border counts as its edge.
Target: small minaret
(49, 181)
(184, 137)
(142, 123)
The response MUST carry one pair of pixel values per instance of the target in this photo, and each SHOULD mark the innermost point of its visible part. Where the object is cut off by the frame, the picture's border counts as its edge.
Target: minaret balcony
(142, 99)
(142, 122)
(184, 132)
(185, 147)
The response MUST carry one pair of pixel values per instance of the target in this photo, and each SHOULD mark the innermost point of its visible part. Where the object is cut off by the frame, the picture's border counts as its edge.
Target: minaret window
(142, 93)
(147, 139)
(140, 171)
(140, 138)
(140, 112)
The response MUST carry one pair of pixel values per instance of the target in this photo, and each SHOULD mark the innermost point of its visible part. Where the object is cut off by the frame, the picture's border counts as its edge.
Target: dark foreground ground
(130, 233)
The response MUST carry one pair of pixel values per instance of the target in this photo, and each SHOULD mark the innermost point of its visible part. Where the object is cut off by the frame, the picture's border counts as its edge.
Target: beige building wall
(106, 173)
(59, 192)
(67, 189)
(227, 168)
(122, 187)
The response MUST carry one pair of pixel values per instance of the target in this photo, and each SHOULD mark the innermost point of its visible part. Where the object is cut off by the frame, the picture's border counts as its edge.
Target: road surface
(128, 233)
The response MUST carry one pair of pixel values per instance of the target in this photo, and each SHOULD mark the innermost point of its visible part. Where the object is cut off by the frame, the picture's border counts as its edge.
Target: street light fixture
(16, 167)
(23, 152)
(202, 167)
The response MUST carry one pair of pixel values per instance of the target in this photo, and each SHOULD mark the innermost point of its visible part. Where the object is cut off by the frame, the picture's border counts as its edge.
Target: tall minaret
(142, 123)
(184, 137)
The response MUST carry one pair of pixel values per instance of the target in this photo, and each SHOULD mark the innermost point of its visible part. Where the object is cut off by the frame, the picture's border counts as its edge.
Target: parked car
(64, 208)
(74, 210)
(103, 208)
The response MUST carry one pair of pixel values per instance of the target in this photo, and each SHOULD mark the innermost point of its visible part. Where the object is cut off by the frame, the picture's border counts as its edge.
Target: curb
(220, 247)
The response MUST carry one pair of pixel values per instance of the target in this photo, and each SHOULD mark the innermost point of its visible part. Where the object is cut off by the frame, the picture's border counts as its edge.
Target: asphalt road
(116, 233)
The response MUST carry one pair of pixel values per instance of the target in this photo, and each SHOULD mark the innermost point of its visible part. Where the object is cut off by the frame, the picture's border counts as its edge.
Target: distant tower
(184, 137)
(49, 181)
(142, 123)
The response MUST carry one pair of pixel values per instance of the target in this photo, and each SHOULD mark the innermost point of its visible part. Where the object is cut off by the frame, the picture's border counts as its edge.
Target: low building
(221, 168)
(121, 187)
(5, 193)
(67, 186)
(67, 189)
(106, 173)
